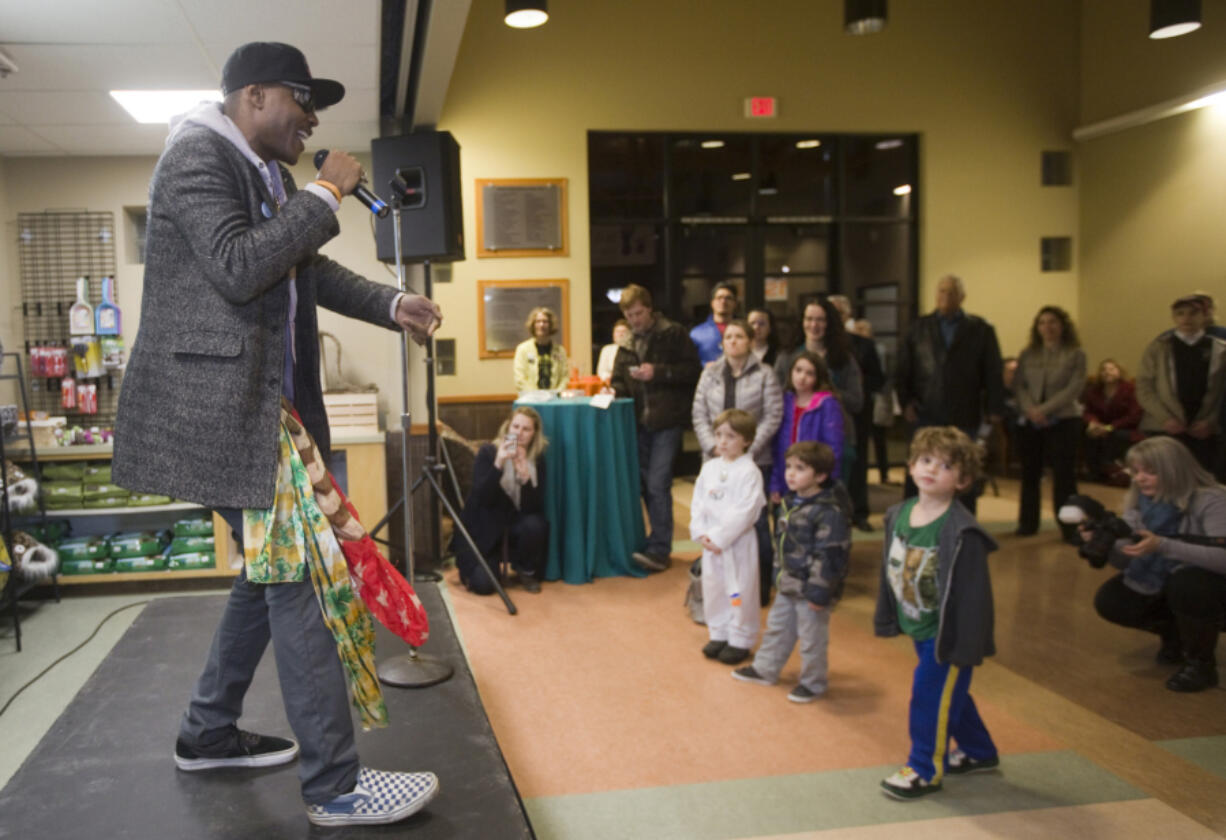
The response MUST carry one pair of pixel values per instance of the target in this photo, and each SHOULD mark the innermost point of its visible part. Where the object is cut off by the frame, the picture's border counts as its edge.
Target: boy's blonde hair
(952, 444)
(741, 421)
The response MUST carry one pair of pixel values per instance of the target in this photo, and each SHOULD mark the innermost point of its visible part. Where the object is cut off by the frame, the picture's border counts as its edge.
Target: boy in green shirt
(935, 588)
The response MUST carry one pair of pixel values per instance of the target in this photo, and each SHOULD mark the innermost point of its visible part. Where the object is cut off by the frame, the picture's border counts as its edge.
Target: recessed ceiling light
(713, 144)
(904, 189)
(525, 15)
(740, 176)
(808, 144)
(158, 106)
(889, 144)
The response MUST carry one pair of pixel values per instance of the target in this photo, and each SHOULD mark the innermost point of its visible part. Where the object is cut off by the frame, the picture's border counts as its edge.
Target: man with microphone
(227, 328)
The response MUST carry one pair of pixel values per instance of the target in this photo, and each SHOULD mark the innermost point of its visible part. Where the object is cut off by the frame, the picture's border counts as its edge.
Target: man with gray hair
(949, 370)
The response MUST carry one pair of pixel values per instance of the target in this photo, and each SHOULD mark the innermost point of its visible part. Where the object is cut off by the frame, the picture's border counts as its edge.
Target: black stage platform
(105, 770)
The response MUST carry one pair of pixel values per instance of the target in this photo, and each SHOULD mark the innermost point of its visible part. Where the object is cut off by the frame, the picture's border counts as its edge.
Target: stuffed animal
(32, 559)
(22, 489)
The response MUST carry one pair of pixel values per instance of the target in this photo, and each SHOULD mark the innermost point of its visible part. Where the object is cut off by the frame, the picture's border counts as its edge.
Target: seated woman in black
(507, 500)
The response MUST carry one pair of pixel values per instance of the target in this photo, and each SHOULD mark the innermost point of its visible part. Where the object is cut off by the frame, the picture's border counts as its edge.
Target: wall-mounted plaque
(502, 311)
(521, 217)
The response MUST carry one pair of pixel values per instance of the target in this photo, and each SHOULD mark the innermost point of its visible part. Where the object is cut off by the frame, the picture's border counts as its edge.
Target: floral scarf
(311, 529)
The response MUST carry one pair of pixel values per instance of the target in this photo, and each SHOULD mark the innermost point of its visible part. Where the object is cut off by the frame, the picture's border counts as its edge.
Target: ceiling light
(740, 176)
(904, 189)
(525, 14)
(770, 186)
(808, 144)
(786, 269)
(863, 17)
(158, 106)
(885, 145)
(713, 144)
(1171, 18)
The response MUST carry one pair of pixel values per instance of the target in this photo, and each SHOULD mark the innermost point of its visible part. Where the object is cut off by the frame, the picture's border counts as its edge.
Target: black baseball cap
(268, 61)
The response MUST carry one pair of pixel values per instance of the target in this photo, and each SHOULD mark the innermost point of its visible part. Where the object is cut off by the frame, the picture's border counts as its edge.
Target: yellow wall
(1151, 198)
(30, 185)
(988, 83)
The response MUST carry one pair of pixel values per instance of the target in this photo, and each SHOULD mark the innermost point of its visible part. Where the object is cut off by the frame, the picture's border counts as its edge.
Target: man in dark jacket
(658, 371)
(949, 371)
(227, 329)
(865, 352)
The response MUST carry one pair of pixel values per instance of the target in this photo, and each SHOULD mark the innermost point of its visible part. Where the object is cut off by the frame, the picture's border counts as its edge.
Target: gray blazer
(1062, 370)
(199, 409)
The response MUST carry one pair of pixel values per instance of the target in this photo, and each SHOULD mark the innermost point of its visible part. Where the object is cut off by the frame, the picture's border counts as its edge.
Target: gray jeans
(791, 619)
(312, 681)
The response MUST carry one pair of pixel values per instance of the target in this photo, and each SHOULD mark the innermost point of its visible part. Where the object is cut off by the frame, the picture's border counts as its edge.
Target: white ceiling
(70, 53)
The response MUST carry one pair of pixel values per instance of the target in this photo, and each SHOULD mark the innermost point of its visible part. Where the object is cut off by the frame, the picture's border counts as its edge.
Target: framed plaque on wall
(522, 217)
(502, 311)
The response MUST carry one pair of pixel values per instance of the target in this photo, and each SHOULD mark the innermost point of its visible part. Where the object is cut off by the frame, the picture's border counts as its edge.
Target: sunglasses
(303, 96)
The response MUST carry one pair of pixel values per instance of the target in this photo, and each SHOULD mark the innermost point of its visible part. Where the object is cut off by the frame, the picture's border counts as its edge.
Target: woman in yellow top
(540, 362)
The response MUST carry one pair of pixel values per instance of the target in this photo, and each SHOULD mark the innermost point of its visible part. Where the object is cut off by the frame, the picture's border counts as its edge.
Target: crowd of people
(784, 437)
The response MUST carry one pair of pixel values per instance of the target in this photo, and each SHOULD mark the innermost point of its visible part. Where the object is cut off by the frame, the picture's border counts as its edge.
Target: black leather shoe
(713, 648)
(1195, 675)
(529, 583)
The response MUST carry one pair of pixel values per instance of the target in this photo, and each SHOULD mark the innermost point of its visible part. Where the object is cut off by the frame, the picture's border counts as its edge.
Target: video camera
(1106, 526)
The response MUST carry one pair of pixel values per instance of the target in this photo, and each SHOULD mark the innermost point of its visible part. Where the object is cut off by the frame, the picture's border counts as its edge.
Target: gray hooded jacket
(964, 635)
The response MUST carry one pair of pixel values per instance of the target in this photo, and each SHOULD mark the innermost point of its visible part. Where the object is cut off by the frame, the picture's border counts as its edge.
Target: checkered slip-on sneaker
(381, 796)
(959, 763)
(246, 749)
(906, 784)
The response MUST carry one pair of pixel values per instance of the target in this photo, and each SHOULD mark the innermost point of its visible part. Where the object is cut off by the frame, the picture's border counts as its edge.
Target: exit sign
(761, 106)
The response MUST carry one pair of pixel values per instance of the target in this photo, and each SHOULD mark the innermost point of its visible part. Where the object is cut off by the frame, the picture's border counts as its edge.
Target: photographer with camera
(507, 501)
(1174, 579)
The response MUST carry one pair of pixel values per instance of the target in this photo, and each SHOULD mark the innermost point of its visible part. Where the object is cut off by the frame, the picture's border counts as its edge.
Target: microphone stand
(414, 670)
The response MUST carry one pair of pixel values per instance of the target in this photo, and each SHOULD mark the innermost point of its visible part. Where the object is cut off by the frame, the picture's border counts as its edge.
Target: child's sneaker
(733, 655)
(748, 674)
(906, 784)
(379, 797)
(800, 694)
(959, 763)
(713, 648)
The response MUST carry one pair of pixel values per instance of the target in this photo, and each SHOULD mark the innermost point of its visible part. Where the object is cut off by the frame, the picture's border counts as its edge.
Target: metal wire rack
(55, 248)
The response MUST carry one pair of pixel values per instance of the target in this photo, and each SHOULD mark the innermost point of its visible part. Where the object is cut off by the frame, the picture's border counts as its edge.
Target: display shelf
(165, 574)
(64, 513)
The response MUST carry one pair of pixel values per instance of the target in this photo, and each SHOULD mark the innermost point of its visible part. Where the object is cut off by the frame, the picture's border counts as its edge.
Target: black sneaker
(651, 562)
(713, 648)
(733, 655)
(800, 694)
(529, 582)
(959, 763)
(246, 749)
(748, 674)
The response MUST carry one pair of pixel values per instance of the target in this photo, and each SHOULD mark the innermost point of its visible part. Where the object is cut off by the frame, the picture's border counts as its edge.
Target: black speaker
(423, 169)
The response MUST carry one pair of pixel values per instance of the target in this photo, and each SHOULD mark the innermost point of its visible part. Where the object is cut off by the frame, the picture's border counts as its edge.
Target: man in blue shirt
(708, 336)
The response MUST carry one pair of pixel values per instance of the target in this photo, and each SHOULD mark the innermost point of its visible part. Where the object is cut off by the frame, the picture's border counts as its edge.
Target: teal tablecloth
(591, 489)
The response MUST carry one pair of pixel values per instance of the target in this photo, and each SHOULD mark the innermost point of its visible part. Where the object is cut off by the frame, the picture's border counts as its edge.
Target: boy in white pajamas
(727, 500)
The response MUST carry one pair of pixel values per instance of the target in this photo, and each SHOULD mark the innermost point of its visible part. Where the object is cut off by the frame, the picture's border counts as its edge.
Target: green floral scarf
(293, 539)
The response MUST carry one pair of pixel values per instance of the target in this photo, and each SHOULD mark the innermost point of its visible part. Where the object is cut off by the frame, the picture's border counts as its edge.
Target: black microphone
(372, 201)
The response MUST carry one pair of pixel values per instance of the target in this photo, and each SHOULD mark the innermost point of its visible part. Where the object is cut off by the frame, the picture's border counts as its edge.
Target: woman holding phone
(507, 500)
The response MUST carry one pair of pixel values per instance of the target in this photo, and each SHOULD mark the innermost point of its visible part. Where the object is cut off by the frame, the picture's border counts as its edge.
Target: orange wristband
(330, 187)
